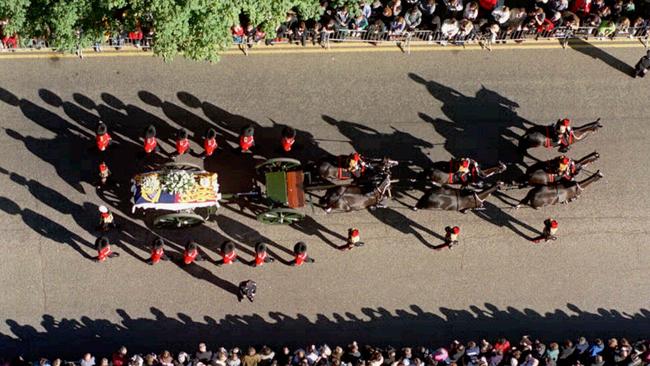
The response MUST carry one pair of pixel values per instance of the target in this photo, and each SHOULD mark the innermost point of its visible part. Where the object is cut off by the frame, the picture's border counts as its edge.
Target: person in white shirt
(501, 15)
(471, 11)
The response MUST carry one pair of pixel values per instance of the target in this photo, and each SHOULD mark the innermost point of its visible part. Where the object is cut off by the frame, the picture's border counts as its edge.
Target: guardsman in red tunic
(104, 173)
(191, 253)
(182, 142)
(102, 138)
(354, 239)
(104, 249)
(157, 252)
(300, 254)
(106, 219)
(247, 138)
(550, 228)
(564, 134)
(150, 142)
(228, 254)
(209, 143)
(451, 236)
(288, 138)
(261, 255)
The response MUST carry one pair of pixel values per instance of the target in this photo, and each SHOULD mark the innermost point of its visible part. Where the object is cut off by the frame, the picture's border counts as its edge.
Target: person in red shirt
(209, 143)
(354, 239)
(261, 255)
(182, 143)
(247, 138)
(157, 252)
(451, 236)
(120, 357)
(104, 250)
(228, 253)
(300, 254)
(550, 228)
(150, 142)
(191, 253)
(102, 138)
(288, 138)
(104, 173)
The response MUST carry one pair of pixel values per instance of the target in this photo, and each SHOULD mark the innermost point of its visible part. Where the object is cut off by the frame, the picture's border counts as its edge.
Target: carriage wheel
(280, 216)
(278, 164)
(177, 221)
(184, 166)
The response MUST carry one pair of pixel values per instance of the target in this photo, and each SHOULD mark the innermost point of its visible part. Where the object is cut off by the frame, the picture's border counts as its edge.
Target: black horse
(335, 169)
(353, 198)
(541, 174)
(453, 199)
(561, 192)
(541, 135)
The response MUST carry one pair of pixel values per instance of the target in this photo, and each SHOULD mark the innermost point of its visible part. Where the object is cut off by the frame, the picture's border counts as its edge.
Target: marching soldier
(106, 220)
(247, 138)
(550, 228)
(247, 289)
(261, 255)
(354, 239)
(104, 250)
(228, 254)
(191, 253)
(102, 138)
(150, 142)
(182, 142)
(209, 143)
(157, 252)
(300, 254)
(288, 138)
(451, 236)
(104, 173)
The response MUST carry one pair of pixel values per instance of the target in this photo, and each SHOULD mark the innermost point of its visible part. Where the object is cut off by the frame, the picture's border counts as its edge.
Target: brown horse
(561, 192)
(541, 135)
(540, 174)
(335, 169)
(353, 198)
(453, 199)
(440, 173)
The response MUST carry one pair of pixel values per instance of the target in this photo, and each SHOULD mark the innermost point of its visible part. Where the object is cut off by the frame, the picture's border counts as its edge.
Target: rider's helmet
(563, 124)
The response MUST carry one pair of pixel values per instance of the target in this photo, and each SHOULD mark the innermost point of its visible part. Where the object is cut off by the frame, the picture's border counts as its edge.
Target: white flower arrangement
(150, 183)
(178, 182)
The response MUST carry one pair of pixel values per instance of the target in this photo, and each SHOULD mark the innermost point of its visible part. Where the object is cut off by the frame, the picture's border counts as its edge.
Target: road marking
(355, 48)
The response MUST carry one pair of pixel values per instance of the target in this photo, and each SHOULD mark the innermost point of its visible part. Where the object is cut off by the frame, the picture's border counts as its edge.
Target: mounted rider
(356, 166)
(563, 168)
(465, 171)
(562, 134)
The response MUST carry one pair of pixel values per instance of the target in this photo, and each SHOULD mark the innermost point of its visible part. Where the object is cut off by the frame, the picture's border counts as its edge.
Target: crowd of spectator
(455, 20)
(527, 352)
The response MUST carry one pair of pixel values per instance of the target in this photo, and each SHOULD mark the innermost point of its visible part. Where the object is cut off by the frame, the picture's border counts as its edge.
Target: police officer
(157, 251)
(451, 236)
(247, 138)
(104, 249)
(191, 253)
(300, 254)
(106, 219)
(550, 228)
(261, 255)
(247, 289)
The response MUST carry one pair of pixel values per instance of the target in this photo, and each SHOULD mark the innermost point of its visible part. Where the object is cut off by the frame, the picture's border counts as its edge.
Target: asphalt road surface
(397, 289)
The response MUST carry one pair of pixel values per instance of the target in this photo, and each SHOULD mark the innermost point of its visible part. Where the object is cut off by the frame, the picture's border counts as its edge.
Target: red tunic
(209, 145)
(103, 141)
(260, 258)
(150, 144)
(287, 143)
(228, 258)
(188, 257)
(246, 142)
(300, 259)
(104, 253)
(156, 255)
(182, 146)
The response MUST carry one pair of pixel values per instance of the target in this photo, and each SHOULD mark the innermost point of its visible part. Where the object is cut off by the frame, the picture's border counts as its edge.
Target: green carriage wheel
(177, 221)
(280, 216)
(184, 166)
(278, 164)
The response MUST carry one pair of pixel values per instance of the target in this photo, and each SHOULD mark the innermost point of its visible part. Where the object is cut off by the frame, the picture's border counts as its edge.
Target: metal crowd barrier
(403, 40)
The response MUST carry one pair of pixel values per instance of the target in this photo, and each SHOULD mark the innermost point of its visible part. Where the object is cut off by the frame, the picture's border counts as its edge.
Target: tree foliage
(197, 29)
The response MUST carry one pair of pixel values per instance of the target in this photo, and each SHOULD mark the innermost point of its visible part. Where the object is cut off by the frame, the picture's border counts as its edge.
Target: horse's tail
(332, 195)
